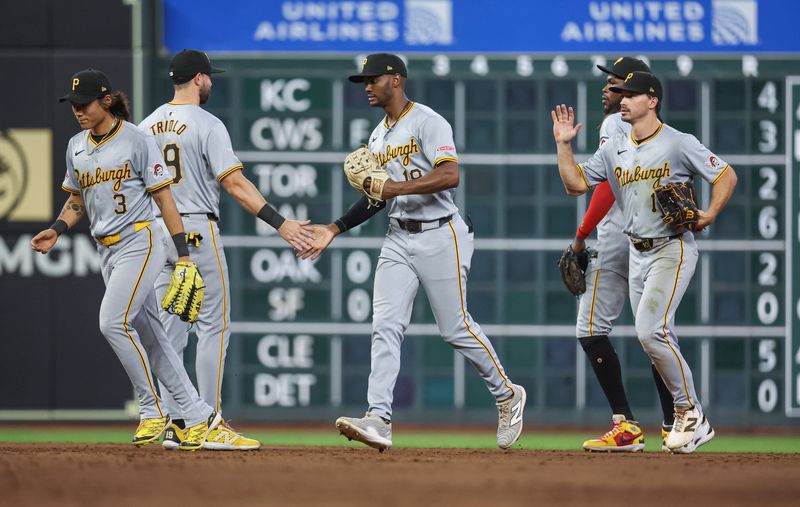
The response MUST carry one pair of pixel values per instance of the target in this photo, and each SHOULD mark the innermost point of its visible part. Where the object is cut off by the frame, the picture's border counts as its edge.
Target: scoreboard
(300, 348)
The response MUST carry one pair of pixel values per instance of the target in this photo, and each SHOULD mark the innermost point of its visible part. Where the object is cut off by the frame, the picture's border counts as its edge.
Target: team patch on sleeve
(446, 148)
(158, 170)
(714, 163)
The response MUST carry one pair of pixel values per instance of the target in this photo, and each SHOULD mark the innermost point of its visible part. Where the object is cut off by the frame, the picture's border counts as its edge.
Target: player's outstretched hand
(564, 128)
(297, 233)
(44, 241)
(323, 235)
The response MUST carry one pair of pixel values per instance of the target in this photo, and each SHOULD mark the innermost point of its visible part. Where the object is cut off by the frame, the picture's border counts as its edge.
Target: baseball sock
(665, 397)
(179, 423)
(605, 363)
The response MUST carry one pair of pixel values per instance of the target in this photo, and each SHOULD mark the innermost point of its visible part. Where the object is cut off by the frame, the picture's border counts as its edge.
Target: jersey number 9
(172, 157)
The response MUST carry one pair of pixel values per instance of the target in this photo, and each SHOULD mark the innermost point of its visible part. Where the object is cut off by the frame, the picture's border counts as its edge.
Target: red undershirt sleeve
(602, 200)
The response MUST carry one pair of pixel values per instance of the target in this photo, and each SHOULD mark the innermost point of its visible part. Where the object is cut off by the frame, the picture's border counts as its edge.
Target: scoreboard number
(769, 136)
(768, 222)
(767, 276)
(767, 191)
(358, 267)
(768, 98)
(524, 66)
(441, 65)
(479, 65)
(768, 388)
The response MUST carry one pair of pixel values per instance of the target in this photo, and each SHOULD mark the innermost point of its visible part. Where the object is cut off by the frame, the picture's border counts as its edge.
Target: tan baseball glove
(366, 174)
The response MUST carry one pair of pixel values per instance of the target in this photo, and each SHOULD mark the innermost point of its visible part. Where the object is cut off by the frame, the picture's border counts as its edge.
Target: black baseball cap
(625, 65)
(379, 64)
(87, 86)
(640, 82)
(188, 63)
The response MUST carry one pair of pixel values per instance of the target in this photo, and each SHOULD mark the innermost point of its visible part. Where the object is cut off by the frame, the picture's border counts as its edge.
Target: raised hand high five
(564, 129)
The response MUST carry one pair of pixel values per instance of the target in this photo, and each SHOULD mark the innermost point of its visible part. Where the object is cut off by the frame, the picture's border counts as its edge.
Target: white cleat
(690, 428)
(703, 435)
(370, 430)
(510, 412)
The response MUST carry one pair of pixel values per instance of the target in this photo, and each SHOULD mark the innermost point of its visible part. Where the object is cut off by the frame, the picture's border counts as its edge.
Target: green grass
(542, 441)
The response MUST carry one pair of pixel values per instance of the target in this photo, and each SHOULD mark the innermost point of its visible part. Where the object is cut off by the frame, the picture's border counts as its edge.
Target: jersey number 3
(122, 206)
(172, 157)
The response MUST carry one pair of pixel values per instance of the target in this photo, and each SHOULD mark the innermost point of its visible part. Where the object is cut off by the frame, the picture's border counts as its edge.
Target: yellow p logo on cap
(630, 75)
(75, 82)
(363, 64)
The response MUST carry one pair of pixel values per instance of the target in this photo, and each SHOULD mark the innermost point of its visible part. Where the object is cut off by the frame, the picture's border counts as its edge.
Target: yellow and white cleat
(150, 430)
(195, 436)
(225, 438)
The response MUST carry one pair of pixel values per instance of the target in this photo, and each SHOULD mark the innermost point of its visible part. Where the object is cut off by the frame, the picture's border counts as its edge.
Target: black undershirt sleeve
(358, 213)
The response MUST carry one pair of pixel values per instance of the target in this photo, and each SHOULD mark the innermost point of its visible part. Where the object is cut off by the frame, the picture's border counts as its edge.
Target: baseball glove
(677, 205)
(366, 175)
(184, 295)
(572, 267)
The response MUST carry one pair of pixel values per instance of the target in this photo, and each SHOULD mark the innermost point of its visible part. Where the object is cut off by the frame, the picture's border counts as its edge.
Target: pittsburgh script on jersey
(405, 151)
(166, 126)
(626, 177)
(115, 174)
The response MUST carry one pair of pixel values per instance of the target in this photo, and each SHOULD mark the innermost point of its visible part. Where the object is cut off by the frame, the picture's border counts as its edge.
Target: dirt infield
(119, 476)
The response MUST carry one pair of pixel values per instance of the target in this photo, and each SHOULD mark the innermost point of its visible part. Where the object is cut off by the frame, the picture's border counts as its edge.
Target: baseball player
(607, 287)
(662, 259)
(197, 147)
(427, 244)
(114, 173)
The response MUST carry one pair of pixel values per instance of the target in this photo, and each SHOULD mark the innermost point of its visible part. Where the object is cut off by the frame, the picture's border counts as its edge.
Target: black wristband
(60, 227)
(270, 216)
(180, 244)
(359, 212)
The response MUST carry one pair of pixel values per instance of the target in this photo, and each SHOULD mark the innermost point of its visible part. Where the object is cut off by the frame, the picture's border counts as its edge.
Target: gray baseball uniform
(197, 147)
(115, 178)
(659, 274)
(438, 258)
(607, 274)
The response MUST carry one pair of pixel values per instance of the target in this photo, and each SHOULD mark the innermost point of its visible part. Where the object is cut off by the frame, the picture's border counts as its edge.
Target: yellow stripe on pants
(224, 318)
(125, 320)
(464, 312)
(664, 327)
(591, 310)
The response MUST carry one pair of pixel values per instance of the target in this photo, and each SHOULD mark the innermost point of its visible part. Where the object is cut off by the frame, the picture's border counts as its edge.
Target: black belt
(645, 244)
(210, 216)
(416, 226)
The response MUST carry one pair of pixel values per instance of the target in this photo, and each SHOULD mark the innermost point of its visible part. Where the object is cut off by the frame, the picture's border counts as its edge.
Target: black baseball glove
(572, 267)
(677, 205)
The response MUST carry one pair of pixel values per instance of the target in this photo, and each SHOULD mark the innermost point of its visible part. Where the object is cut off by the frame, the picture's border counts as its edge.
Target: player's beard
(612, 108)
(205, 93)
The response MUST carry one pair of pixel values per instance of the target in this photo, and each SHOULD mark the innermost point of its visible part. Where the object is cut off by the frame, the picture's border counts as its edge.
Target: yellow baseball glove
(184, 295)
(366, 174)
